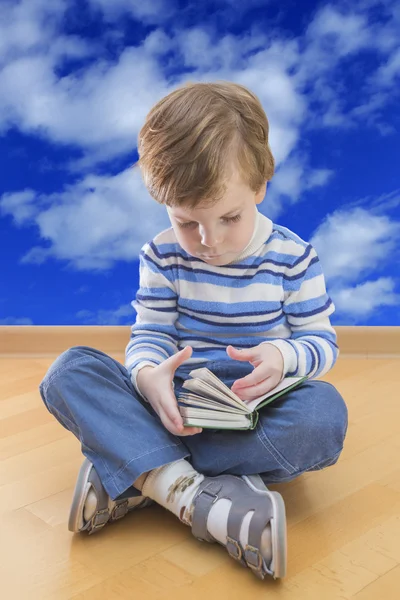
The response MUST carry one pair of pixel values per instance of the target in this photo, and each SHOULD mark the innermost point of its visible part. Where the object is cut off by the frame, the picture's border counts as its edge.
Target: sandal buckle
(231, 542)
(99, 519)
(119, 510)
(253, 558)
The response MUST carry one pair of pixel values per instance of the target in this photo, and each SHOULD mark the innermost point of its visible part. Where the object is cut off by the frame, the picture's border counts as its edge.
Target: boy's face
(212, 234)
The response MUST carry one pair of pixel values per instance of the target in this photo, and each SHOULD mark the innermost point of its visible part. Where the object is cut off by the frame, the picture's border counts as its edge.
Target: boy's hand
(268, 372)
(155, 383)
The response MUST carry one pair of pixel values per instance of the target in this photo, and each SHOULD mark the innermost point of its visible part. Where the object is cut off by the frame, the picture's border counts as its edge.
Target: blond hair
(194, 138)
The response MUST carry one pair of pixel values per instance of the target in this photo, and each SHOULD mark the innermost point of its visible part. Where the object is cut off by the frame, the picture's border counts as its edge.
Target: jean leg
(308, 429)
(303, 431)
(92, 396)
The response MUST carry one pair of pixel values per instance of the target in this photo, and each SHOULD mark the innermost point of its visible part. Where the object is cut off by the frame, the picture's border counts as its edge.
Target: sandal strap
(243, 503)
(102, 514)
(245, 499)
(205, 497)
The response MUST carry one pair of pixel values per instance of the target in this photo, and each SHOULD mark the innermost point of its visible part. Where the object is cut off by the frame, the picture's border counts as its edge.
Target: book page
(208, 390)
(201, 413)
(195, 400)
(210, 424)
(209, 377)
(206, 383)
(285, 383)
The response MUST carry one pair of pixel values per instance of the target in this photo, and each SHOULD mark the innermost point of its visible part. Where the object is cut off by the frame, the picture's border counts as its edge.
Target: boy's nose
(210, 238)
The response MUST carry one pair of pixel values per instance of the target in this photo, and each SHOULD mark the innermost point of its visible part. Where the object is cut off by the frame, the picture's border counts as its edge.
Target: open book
(212, 404)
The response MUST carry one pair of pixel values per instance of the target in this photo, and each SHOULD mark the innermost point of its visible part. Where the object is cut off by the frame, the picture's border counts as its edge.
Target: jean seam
(110, 477)
(316, 466)
(302, 471)
(266, 442)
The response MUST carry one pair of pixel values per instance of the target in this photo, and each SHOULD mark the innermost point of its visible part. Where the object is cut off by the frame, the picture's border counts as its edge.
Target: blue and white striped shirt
(274, 292)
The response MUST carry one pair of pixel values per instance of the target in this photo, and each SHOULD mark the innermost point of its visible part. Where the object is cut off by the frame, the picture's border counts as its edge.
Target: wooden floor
(343, 522)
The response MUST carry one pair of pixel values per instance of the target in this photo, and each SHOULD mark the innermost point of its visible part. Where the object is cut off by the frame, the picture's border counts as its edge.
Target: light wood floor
(343, 522)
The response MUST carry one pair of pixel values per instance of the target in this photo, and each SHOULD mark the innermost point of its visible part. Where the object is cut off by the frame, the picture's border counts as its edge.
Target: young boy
(226, 288)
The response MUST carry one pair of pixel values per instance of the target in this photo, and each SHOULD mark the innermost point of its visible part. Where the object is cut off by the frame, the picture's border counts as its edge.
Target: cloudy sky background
(77, 79)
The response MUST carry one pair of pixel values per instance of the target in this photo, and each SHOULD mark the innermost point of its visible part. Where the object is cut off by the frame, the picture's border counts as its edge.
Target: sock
(138, 483)
(90, 506)
(173, 486)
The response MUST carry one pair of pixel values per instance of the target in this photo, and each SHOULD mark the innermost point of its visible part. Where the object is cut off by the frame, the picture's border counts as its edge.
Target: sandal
(247, 493)
(107, 510)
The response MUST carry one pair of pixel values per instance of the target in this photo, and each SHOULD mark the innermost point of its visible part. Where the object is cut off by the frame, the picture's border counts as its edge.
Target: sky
(77, 79)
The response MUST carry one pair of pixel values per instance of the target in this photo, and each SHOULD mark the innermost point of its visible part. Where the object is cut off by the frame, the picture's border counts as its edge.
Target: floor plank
(343, 521)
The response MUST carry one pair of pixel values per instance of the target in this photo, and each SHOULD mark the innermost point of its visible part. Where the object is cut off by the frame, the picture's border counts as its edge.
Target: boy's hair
(194, 137)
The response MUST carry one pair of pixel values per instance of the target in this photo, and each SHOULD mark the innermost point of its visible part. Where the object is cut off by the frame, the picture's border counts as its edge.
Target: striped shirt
(273, 292)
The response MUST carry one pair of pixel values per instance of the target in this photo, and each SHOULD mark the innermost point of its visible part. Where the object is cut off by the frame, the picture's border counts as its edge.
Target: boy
(226, 288)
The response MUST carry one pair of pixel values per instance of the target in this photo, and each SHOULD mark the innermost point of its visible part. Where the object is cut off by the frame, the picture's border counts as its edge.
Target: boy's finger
(176, 426)
(172, 412)
(169, 424)
(174, 361)
(191, 430)
(173, 417)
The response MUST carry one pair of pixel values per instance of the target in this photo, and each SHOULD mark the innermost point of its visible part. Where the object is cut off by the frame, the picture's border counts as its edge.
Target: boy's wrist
(138, 377)
(288, 354)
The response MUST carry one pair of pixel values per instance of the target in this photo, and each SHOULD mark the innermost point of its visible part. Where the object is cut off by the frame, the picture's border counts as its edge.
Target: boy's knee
(63, 362)
(328, 426)
(336, 410)
(318, 429)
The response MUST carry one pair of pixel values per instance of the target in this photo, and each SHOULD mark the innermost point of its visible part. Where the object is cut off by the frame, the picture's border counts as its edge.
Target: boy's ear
(261, 194)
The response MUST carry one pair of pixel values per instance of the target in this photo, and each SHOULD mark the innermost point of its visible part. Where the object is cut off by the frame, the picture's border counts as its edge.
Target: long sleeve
(311, 349)
(153, 336)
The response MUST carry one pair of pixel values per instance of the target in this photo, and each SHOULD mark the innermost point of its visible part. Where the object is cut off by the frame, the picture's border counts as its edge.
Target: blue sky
(77, 80)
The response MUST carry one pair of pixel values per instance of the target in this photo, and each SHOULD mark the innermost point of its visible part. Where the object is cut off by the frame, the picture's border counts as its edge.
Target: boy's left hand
(268, 372)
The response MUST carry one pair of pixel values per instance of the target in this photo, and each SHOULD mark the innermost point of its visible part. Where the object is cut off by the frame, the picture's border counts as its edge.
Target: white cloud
(334, 35)
(92, 223)
(28, 25)
(98, 110)
(160, 11)
(147, 11)
(353, 244)
(387, 73)
(20, 205)
(16, 321)
(362, 300)
(290, 182)
(101, 106)
(120, 316)
(386, 202)
(339, 33)
(33, 28)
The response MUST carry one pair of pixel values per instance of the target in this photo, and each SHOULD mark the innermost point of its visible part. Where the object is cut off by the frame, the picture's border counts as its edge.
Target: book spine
(253, 419)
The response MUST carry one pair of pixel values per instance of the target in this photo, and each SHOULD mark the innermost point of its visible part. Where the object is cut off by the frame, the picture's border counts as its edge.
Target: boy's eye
(234, 219)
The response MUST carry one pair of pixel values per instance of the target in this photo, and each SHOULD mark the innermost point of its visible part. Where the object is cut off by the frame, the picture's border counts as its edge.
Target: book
(213, 405)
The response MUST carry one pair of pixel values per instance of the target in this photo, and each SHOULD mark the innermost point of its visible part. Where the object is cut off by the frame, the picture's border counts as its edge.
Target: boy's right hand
(155, 383)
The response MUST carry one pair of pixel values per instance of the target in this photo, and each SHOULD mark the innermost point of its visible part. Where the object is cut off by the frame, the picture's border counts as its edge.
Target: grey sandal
(247, 493)
(107, 510)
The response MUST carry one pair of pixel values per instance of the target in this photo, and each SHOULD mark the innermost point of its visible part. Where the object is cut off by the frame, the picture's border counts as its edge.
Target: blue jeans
(92, 396)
